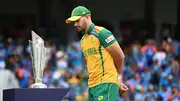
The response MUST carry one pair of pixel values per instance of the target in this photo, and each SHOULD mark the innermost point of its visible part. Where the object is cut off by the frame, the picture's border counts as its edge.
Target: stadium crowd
(151, 70)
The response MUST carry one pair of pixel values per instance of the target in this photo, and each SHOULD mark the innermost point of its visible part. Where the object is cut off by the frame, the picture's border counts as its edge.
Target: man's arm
(117, 55)
(109, 42)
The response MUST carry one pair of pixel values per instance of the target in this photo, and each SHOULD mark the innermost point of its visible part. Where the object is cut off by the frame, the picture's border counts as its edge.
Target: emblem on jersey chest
(90, 51)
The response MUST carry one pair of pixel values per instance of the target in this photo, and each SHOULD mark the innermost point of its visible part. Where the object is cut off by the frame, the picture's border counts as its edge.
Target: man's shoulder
(99, 29)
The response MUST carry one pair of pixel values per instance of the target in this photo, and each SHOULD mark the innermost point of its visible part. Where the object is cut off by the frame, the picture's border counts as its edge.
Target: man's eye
(77, 20)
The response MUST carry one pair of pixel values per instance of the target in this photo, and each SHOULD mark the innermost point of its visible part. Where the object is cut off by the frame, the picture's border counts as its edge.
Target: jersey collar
(91, 27)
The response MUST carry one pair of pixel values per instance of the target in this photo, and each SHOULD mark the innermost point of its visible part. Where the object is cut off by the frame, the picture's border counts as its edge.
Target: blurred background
(147, 30)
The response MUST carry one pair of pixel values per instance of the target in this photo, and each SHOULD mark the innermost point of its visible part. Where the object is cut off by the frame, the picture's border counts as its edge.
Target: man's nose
(75, 24)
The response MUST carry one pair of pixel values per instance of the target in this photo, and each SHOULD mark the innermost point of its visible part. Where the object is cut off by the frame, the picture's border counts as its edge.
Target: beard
(80, 32)
(80, 29)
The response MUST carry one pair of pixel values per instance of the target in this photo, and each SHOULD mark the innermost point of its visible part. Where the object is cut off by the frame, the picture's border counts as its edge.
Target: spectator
(7, 78)
(61, 61)
(149, 49)
(2, 53)
(139, 95)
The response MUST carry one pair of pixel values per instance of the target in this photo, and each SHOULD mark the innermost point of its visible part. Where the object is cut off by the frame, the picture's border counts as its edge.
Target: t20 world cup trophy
(38, 56)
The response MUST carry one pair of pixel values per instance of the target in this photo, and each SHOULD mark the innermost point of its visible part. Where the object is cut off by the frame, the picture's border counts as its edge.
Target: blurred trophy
(38, 56)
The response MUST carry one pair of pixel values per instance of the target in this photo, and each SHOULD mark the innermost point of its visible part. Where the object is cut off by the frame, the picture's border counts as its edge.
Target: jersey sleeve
(106, 38)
